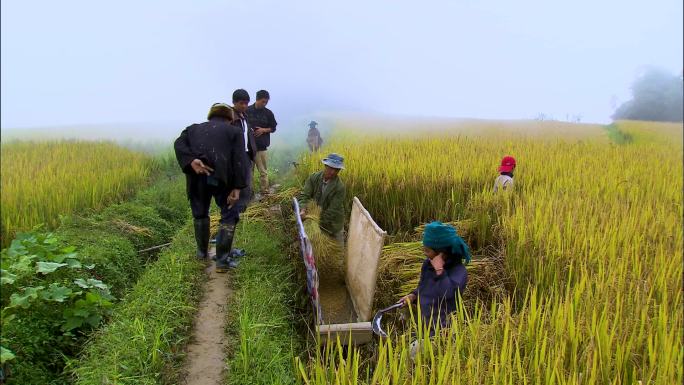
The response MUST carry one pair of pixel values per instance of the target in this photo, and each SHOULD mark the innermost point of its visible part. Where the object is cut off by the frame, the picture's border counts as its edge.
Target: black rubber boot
(224, 243)
(202, 237)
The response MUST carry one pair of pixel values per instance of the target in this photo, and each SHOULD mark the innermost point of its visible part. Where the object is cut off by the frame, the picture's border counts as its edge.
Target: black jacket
(261, 117)
(251, 140)
(217, 144)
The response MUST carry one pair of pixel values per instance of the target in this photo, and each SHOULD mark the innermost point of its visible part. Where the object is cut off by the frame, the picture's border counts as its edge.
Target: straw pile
(400, 265)
(328, 253)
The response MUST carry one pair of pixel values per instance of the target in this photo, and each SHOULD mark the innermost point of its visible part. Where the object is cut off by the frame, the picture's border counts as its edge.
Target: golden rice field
(591, 237)
(43, 180)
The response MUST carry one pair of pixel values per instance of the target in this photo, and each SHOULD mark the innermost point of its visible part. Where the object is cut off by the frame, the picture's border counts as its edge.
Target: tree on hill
(657, 96)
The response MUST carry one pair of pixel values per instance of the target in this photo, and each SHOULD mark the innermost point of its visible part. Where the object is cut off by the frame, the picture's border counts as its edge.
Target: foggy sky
(80, 62)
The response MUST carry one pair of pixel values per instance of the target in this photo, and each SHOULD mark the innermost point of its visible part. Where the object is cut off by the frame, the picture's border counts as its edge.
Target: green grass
(140, 345)
(261, 325)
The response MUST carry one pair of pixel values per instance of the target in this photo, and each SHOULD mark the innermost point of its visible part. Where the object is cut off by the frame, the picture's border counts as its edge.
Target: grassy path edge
(261, 321)
(140, 345)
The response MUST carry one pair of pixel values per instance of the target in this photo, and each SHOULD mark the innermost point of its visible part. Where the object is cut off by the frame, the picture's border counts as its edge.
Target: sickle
(377, 328)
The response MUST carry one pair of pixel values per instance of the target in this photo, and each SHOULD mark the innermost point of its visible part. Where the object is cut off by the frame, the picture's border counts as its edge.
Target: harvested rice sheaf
(328, 253)
(399, 272)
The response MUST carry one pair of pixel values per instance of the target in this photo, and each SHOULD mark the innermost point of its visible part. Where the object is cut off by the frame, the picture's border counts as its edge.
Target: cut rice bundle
(328, 253)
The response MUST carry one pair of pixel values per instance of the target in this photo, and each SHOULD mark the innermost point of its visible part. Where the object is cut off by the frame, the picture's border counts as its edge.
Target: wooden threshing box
(344, 309)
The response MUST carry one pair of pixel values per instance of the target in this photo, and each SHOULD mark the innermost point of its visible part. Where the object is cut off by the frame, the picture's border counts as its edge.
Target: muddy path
(206, 353)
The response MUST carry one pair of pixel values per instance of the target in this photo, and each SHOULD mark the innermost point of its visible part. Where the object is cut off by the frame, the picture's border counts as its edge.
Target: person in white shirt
(505, 179)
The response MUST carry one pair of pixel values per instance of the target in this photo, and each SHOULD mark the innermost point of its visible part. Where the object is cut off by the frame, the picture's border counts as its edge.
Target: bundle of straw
(399, 272)
(328, 253)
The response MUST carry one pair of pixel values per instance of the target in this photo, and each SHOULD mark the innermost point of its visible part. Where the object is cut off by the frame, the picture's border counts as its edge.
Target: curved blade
(376, 325)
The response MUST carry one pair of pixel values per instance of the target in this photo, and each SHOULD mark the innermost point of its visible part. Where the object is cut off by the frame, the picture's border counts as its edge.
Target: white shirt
(503, 182)
(244, 133)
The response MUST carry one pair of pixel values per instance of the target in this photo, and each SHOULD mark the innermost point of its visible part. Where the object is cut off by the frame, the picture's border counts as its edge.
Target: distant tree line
(656, 96)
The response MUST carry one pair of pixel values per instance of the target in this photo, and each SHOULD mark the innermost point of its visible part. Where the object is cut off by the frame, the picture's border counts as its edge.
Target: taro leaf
(73, 263)
(98, 284)
(61, 257)
(81, 312)
(90, 283)
(7, 278)
(48, 267)
(23, 264)
(93, 320)
(24, 299)
(72, 323)
(16, 248)
(57, 293)
(5, 355)
(90, 267)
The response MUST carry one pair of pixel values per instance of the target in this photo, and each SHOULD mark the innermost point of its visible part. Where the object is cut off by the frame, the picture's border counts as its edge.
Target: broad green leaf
(62, 257)
(90, 267)
(98, 284)
(93, 320)
(23, 264)
(48, 267)
(5, 355)
(73, 263)
(82, 283)
(82, 313)
(57, 293)
(7, 278)
(72, 323)
(23, 300)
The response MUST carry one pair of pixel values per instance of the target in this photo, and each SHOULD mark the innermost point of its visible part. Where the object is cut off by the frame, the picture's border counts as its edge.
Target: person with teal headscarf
(443, 276)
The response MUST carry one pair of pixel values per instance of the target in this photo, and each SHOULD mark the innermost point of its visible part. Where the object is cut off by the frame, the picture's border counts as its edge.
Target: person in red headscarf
(505, 179)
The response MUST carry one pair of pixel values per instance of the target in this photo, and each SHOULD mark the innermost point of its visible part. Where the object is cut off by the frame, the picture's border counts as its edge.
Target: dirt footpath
(206, 355)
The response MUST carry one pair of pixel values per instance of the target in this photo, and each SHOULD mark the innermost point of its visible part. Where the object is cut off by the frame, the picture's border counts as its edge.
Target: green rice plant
(43, 180)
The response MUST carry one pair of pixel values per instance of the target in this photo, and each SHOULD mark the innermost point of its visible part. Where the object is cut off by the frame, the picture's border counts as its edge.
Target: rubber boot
(224, 243)
(202, 237)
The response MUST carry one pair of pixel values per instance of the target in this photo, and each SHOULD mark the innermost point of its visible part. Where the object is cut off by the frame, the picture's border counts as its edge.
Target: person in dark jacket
(328, 191)
(240, 105)
(212, 156)
(443, 276)
(263, 122)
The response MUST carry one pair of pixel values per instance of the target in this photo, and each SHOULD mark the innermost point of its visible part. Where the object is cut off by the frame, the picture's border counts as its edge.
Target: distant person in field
(327, 190)
(505, 179)
(263, 122)
(240, 105)
(313, 138)
(443, 277)
(212, 156)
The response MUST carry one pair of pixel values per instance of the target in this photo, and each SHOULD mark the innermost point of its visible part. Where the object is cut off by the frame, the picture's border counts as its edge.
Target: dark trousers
(246, 193)
(201, 193)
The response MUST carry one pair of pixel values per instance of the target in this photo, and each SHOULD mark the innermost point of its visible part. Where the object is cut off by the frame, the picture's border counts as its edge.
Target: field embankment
(262, 322)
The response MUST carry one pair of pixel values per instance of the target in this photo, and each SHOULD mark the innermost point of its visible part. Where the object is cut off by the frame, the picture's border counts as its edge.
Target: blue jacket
(437, 294)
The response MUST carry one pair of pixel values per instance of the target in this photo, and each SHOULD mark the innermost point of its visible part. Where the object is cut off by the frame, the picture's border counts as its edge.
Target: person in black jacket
(212, 156)
(240, 104)
(263, 122)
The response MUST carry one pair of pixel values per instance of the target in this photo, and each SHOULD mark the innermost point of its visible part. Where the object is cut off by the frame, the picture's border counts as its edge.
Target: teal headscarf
(437, 235)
